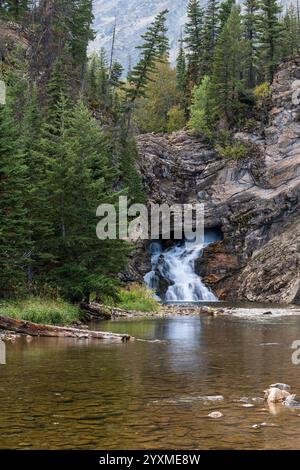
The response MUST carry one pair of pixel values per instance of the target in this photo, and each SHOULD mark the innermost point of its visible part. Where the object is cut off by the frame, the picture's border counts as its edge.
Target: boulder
(276, 395)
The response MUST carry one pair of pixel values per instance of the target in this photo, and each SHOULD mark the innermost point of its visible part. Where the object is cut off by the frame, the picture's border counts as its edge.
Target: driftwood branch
(33, 329)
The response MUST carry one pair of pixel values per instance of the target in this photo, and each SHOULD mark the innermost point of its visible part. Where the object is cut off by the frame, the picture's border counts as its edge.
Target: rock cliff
(254, 201)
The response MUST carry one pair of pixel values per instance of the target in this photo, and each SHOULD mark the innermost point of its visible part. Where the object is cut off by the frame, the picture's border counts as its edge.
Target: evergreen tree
(116, 73)
(181, 68)
(224, 12)
(229, 64)
(61, 32)
(290, 37)
(36, 193)
(210, 35)
(81, 30)
(79, 178)
(250, 21)
(13, 223)
(129, 177)
(15, 9)
(154, 48)
(194, 41)
(181, 77)
(269, 30)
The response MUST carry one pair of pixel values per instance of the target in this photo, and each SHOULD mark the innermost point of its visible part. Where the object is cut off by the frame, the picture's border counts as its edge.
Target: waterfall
(175, 266)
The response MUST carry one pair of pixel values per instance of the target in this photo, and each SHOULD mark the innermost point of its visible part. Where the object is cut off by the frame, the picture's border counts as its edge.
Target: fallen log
(33, 329)
(95, 311)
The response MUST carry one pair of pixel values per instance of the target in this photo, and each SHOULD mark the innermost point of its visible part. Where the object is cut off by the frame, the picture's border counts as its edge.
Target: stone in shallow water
(276, 395)
(281, 386)
(215, 415)
(211, 398)
(292, 402)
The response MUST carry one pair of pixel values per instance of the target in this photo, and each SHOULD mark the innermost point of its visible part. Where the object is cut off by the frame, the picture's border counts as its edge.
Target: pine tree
(210, 34)
(290, 37)
(181, 68)
(15, 9)
(78, 178)
(36, 193)
(81, 30)
(116, 73)
(154, 48)
(194, 41)
(181, 77)
(224, 12)
(250, 21)
(228, 69)
(13, 223)
(269, 30)
(61, 32)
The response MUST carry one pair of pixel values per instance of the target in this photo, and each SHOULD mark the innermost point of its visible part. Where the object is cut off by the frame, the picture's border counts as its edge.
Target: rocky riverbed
(100, 312)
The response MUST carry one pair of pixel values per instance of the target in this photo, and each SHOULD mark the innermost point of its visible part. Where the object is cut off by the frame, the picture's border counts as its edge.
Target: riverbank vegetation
(42, 311)
(137, 298)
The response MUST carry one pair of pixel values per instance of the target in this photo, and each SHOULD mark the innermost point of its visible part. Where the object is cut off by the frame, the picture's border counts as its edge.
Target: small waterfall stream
(176, 267)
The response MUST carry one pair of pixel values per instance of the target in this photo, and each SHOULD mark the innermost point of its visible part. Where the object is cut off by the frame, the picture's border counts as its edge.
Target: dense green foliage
(64, 149)
(240, 50)
(235, 47)
(152, 113)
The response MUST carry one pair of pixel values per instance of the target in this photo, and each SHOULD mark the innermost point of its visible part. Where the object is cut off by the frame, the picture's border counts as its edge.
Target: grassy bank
(138, 298)
(43, 311)
(59, 312)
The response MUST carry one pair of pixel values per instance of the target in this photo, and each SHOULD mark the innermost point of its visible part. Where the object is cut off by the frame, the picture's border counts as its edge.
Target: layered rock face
(254, 201)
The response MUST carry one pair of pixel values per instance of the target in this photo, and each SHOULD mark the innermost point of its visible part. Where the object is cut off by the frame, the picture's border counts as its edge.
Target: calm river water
(67, 394)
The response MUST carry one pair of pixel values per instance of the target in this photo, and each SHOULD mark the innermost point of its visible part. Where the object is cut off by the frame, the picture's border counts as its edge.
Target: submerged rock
(211, 398)
(292, 402)
(9, 337)
(215, 415)
(281, 386)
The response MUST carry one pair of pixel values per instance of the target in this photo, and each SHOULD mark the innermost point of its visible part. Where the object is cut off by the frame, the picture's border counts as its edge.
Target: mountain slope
(133, 17)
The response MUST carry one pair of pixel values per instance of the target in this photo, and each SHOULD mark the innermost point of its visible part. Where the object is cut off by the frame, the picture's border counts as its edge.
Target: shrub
(262, 93)
(176, 119)
(235, 151)
(138, 298)
(201, 109)
(37, 310)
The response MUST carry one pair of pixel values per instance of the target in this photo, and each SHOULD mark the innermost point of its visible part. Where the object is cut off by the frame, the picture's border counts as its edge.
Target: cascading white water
(176, 266)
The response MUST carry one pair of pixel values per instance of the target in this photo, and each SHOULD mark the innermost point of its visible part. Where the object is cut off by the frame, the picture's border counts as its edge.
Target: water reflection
(58, 393)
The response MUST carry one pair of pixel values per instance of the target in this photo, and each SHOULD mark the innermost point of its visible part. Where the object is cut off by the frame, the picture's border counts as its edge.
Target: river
(67, 394)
